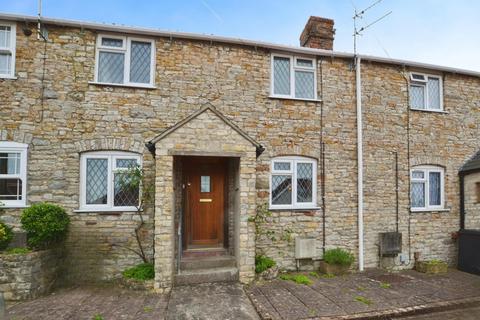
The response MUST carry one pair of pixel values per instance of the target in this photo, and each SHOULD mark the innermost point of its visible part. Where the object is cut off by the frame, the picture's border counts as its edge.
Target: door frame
(188, 164)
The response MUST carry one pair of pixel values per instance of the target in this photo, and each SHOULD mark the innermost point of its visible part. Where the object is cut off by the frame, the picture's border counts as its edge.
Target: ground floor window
(293, 183)
(427, 188)
(13, 174)
(102, 181)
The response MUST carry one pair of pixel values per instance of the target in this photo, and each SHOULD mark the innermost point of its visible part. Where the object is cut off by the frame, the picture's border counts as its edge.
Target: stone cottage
(332, 149)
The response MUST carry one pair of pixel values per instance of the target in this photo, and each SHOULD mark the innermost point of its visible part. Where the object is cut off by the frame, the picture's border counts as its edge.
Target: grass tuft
(385, 285)
(17, 251)
(263, 263)
(144, 271)
(297, 278)
(363, 300)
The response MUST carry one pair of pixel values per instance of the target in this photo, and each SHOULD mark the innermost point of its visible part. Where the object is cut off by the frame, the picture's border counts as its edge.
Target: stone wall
(77, 116)
(28, 276)
(472, 201)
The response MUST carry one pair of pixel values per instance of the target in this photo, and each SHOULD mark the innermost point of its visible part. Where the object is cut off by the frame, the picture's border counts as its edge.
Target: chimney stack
(318, 33)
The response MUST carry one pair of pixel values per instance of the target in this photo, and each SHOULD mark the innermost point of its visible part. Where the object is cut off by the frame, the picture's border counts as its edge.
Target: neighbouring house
(226, 128)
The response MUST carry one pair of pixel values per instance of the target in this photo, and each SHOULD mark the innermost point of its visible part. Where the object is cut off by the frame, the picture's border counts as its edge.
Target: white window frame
(111, 156)
(293, 173)
(11, 49)
(126, 50)
(22, 148)
(293, 68)
(424, 84)
(426, 177)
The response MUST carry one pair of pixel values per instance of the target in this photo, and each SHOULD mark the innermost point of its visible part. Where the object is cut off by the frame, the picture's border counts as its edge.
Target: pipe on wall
(358, 85)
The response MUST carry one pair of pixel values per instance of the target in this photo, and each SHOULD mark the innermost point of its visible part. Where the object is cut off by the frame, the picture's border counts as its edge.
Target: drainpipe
(358, 84)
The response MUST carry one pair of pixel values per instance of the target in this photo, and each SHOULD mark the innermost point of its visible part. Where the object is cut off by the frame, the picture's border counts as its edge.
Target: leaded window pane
(140, 60)
(434, 188)
(281, 189)
(125, 195)
(5, 63)
(417, 96)
(10, 189)
(111, 67)
(305, 63)
(281, 75)
(283, 166)
(10, 163)
(97, 181)
(126, 163)
(304, 182)
(110, 42)
(433, 93)
(418, 174)
(304, 84)
(418, 195)
(5, 34)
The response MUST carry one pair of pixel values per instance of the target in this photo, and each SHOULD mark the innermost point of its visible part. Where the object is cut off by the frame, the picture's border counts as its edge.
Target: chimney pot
(318, 33)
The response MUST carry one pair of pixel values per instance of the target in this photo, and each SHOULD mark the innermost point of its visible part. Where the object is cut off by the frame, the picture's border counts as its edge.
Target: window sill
(294, 209)
(14, 206)
(427, 110)
(8, 78)
(296, 99)
(105, 210)
(429, 210)
(124, 85)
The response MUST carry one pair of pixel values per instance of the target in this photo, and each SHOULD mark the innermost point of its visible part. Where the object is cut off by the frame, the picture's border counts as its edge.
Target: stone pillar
(164, 222)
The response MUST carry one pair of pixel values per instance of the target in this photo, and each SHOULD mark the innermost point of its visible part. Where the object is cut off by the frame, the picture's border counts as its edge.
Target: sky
(443, 32)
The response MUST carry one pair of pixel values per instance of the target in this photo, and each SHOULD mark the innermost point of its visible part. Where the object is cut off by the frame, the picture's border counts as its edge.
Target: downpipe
(358, 85)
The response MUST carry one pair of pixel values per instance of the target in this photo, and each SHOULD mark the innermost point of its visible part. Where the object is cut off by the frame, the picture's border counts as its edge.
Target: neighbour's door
(205, 201)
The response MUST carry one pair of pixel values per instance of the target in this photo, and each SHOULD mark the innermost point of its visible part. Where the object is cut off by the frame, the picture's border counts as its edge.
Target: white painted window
(427, 188)
(13, 174)
(101, 187)
(125, 60)
(293, 183)
(426, 92)
(293, 77)
(7, 50)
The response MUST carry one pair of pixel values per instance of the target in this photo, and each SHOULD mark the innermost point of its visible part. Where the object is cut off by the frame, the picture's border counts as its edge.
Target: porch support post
(164, 222)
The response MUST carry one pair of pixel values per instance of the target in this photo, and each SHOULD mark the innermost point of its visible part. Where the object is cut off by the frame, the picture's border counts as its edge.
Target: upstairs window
(426, 92)
(13, 174)
(101, 184)
(427, 188)
(125, 60)
(294, 77)
(293, 183)
(7, 50)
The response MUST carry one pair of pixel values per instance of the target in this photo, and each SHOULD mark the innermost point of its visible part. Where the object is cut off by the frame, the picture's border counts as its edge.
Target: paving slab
(212, 301)
(374, 293)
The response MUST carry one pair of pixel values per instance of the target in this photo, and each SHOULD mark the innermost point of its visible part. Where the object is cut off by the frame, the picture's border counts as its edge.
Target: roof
(473, 164)
(211, 107)
(229, 40)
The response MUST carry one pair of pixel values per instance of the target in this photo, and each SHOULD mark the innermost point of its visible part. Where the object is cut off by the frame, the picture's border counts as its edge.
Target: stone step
(207, 252)
(227, 274)
(194, 263)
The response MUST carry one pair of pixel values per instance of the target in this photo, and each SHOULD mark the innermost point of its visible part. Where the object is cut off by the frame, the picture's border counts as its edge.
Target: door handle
(205, 200)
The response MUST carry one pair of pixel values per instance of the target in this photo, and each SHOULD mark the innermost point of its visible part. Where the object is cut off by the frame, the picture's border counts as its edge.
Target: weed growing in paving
(360, 288)
(18, 251)
(263, 263)
(144, 271)
(363, 300)
(297, 278)
(314, 274)
(97, 317)
(328, 276)
(147, 309)
(385, 285)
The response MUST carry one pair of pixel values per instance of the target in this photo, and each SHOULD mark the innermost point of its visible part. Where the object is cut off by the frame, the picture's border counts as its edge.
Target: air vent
(390, 243)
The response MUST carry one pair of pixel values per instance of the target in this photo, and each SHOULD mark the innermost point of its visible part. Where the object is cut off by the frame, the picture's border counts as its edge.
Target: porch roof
(473, 164)
(208, 106)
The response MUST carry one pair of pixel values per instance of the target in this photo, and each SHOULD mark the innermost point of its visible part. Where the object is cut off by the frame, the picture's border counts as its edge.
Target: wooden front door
(205, 184)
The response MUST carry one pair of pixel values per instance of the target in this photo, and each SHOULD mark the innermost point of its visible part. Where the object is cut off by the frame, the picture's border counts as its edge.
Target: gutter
(358, 86)
(229, 40)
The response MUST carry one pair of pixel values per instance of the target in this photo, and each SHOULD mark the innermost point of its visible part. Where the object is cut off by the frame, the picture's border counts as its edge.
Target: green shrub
(46, 224)
(263, 263)
(144, 271)
(17, 251)
(6, 235)
(338, 256)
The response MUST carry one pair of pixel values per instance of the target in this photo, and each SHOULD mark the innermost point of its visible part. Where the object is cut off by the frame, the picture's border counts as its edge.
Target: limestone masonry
(54, 107)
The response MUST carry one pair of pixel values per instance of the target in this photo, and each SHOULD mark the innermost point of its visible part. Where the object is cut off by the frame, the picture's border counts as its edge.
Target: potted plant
(431, 266)
(336, 261)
